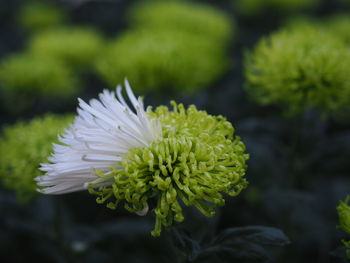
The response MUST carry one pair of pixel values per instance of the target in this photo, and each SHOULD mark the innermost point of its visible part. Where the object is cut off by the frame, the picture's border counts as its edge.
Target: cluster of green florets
(255, 7)
(171, 46)
(52, 64)
(23, 147)
(162, 61)
(300, 68)
(197, 159)
(343, 210)
(49, 68)
(77, 47)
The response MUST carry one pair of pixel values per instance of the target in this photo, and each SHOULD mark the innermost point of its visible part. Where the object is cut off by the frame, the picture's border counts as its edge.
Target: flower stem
(58, 227)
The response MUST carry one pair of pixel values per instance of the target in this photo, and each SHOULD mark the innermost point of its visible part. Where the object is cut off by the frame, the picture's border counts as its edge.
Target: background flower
(300, 68)
(23, 147)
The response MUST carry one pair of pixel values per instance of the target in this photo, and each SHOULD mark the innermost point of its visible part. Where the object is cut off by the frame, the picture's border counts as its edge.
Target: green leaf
(256, 234)
(244, 244)
(184, 243)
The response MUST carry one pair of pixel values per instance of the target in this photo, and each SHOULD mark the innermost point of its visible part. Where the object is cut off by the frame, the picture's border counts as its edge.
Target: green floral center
(197, 160)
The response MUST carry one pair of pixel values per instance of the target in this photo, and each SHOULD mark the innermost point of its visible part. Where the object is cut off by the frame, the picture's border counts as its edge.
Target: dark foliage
(298, 170)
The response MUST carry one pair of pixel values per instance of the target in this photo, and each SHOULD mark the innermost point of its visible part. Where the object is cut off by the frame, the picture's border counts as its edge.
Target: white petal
(98, 140)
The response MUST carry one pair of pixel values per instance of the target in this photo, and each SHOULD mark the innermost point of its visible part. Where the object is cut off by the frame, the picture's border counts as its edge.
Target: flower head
(23, 146)
(169, 156)
(300, 68)
(27, 79)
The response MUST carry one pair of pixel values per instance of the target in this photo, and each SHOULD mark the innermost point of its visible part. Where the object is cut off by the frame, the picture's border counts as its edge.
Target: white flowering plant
(133, 157)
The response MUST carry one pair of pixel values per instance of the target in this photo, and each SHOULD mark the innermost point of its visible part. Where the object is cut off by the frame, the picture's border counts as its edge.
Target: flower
(23, 146)
(28, 79)
(160, 52)
(300, 68)
(163, 61)
(343, 210)
(37, 16)
(183, 155)
(76, 47)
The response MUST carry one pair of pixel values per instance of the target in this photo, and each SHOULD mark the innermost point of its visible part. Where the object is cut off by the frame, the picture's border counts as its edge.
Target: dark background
(298, 168)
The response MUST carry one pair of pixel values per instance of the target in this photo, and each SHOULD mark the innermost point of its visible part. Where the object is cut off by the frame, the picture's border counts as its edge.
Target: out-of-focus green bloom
(37, 16)
(255, 7)
(337, 24)
(197, 19)
(174, 61)
(76, 47)
(340, 26)
(343, 210)
(172, 46)
(196, 161)
(26, 79)
(23, 147)
(300, 68)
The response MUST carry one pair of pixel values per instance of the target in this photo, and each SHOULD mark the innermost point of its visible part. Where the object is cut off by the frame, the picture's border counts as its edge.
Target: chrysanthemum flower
(147, 158)
(23, 146)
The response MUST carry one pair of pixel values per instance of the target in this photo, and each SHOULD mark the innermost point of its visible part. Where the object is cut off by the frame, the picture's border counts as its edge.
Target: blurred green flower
(172, 47)
(23, 147)
(343, 210)
(299, 68)
(36, 16)
(336, 24)
(26, 79)
(163, 61)
(340, 26)
(76, 47)
(194, 18)
(255, 7)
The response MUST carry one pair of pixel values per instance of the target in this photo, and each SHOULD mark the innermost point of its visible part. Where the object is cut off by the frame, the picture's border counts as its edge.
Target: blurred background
(244, 59)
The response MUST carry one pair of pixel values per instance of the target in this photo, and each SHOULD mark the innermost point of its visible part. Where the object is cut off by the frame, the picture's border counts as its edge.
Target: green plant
(26, 79)
(167, 156)
(76, 47)
(300, 68)
(36, 16)
(23, 147)
(171, 61)
(197, 19)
